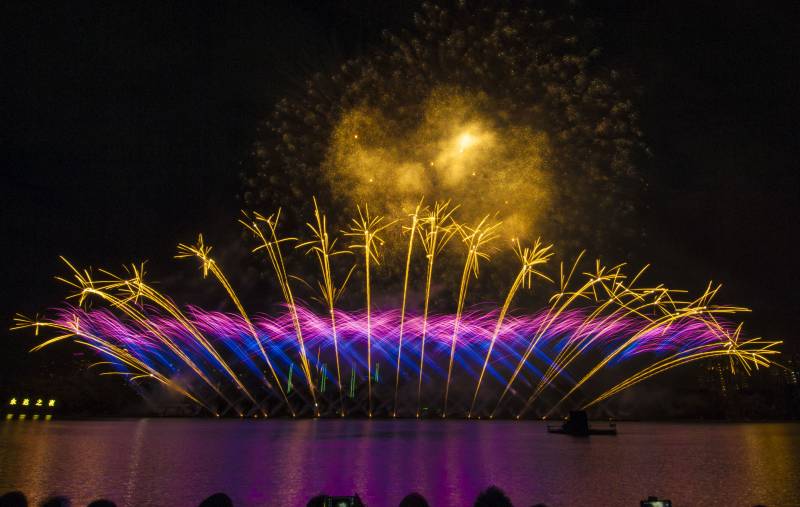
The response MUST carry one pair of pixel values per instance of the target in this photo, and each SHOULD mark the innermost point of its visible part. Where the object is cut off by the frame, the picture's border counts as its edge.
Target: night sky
(124, 131)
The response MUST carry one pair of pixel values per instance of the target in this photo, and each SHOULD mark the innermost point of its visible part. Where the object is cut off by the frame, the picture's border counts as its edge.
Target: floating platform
(577, 424)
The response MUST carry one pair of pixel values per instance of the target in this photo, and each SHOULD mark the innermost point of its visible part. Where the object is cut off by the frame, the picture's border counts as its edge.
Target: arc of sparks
(626, 300)
(412, 232)
(271, 244)
(435, 231)
(86, 286)
(137, 288)
(698, 308)
(753, 351)
(95, 342)
(202, 252)
(144, 335)
(557, 308)
(324, 249)
(530, 258)
(476, 239)
(365, 230)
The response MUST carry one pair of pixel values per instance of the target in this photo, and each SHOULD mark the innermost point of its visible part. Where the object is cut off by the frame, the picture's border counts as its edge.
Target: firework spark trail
(477, 328)
(71, 328)
(137, 288)
(476, 239)
(578, 343)
(412, 233)
(598, 277)
(601, 277)
(739, 350)
(698, 308)
(142, 334)
(365, 230)
(273, 250)
(550, 317)
(679, 338)
(202, 252)
(434, 233)
(86, 286)
(323, 248)
(530, 257)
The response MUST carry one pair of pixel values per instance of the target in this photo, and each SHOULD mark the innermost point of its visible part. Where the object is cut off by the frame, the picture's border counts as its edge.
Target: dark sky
(123, 129)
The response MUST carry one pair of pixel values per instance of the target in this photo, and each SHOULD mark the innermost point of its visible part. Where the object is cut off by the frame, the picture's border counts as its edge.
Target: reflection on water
(277, 463)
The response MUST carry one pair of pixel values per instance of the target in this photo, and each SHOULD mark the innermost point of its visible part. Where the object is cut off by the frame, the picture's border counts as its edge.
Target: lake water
(282, 463)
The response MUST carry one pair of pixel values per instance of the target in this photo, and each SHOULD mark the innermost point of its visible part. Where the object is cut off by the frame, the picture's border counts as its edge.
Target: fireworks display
(477, 126)
(509, 109)
(602, 331)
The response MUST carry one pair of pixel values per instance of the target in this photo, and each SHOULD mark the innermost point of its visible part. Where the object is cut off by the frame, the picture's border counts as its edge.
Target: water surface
(178, 462)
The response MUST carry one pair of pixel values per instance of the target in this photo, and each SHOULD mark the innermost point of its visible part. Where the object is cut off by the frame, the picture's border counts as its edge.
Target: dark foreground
(284, 463)
(491, 497)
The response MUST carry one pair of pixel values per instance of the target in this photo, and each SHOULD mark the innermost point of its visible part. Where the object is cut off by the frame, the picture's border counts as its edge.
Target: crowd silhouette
(491, 497)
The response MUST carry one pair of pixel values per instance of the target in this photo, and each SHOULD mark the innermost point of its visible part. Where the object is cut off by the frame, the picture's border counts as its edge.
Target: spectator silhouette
(102, 503)
(56, 501)
(414, 500)
(217, 500)
(317, 501)
(493, 497)
(13, 499)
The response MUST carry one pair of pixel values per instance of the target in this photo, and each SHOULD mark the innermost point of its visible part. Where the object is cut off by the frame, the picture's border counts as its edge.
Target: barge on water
(577, 424)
